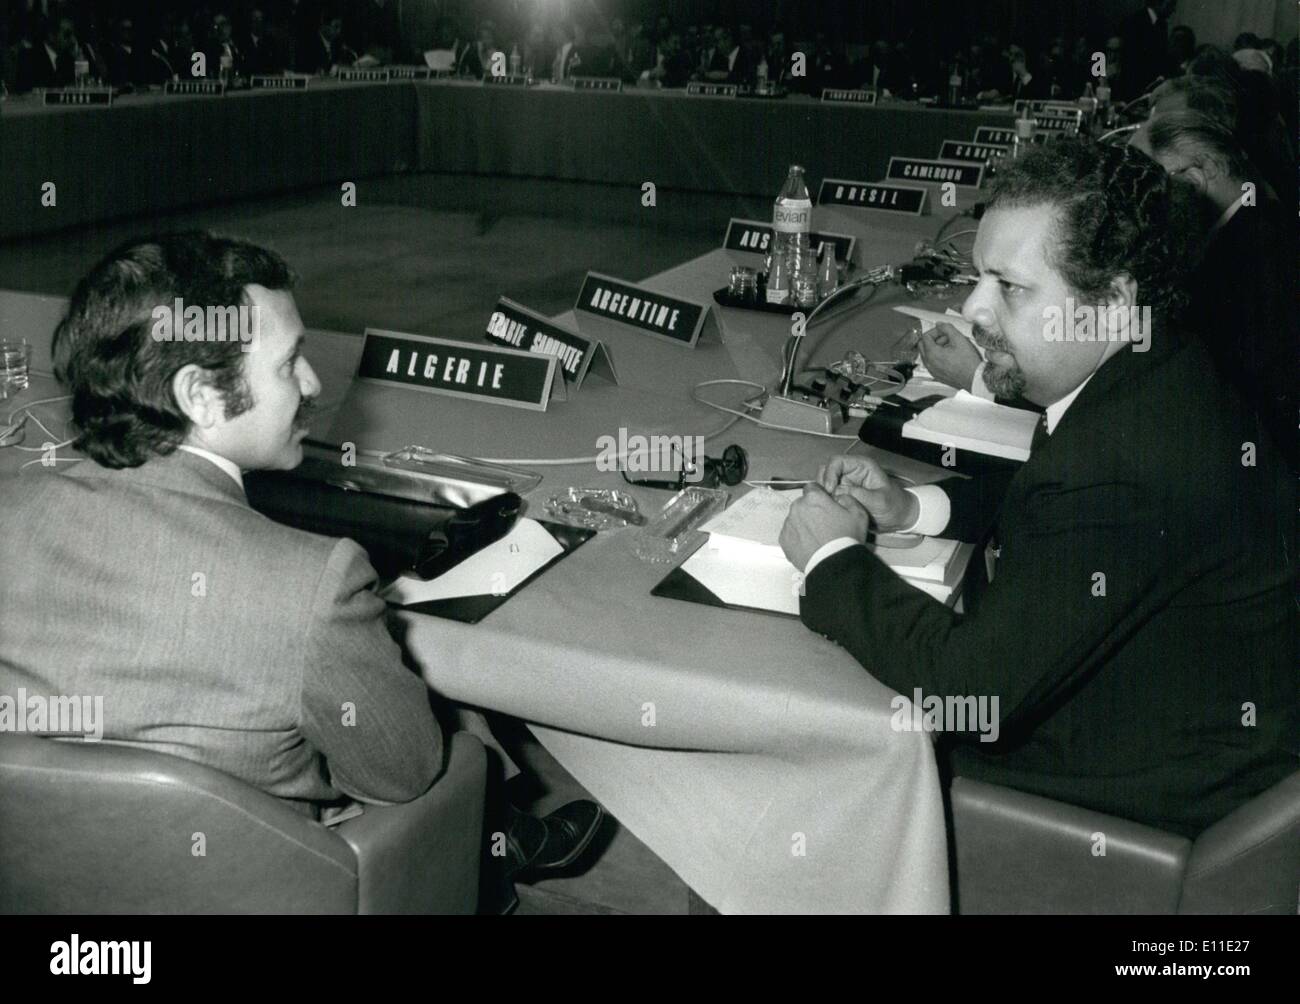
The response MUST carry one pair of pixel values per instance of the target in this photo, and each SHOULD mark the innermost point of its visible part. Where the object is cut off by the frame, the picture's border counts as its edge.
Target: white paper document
(755, 518)
(972, 423)
(495, 570)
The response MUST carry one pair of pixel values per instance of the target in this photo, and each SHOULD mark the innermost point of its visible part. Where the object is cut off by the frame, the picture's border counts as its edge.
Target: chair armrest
(423, 856)
(1249, 861)
(1022, 853)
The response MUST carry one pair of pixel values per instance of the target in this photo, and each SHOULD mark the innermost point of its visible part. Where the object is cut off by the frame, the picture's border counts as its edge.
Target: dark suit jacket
(1243, 305)
(1130, 702)
(35, 69)
(1146, 53)
(211, 632)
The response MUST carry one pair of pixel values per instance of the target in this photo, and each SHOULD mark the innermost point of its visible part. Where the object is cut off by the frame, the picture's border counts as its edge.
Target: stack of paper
(743, 564)
(972, 423)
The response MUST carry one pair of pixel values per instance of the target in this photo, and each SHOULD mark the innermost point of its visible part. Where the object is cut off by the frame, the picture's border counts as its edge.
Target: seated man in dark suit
(1136, 644)
(1243, 293)
(222, 48)
(322, 48)
(260, 47)
(50, 61)
(213, 633)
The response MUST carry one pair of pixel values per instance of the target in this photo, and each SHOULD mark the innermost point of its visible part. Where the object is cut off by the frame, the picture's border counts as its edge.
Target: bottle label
(792, 216)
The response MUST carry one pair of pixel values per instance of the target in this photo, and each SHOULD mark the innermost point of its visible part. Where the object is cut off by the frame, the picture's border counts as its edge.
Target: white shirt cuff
(977, 385)
(826, 550)
(935, 511)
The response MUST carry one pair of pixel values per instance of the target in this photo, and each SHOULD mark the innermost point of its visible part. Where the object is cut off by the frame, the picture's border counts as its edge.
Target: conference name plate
(1058, 122)
(658, 314)
(699, 89)
(490, 373)
(1042, 105)
(99, 96)
(903, 199)
(980, 153)
(365, 76)
(756, 237)
(935, 172)
(516, 326)
(205, 88)
(291, 83)
(597, 84)
(506, 79)
(409, 72)
(994, 135)
(841, 95)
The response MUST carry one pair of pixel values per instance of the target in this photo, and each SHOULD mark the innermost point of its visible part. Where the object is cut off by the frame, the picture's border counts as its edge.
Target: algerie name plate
(980, 153)
(839, 95)
(698, 89)
(905, 199)
(488, 373)
(756, 237)
(935, 172)
(658, 314)
(518, 327)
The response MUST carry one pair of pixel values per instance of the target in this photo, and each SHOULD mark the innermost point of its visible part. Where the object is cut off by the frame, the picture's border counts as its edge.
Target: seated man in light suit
(142, 574)
(1138, 632)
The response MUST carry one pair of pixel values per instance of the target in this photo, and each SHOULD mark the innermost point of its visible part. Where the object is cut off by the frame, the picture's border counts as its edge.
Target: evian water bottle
(792, 224)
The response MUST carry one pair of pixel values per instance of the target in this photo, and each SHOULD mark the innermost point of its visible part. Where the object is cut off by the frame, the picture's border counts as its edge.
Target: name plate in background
(994, 135)
(103, 96)
(488, 373)
(1044, 105)
(364, 76)
(409, 72)
(840, 95)
(957, 149)
(756, 237)
(657, 314)
(698, 89)
(506, 79)
(872, 195)
(518, 327)
(597, 84)
(935, 172)
(1058, 122)
(280, 83)
(210, 88)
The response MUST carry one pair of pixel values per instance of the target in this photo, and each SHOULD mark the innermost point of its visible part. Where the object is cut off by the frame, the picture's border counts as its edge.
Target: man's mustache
(989, 341)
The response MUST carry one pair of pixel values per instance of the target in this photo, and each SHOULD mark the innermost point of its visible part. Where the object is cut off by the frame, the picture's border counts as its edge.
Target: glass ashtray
(594, 508)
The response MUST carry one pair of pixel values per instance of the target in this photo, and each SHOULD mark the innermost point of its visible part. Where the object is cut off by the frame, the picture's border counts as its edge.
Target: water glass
(15, 362)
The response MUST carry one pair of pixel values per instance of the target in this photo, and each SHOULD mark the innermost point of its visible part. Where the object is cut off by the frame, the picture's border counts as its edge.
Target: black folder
(472, 609)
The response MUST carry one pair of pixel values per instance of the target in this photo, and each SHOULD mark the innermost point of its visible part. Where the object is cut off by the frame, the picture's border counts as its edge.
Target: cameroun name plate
(488, 373)
(935, 172)
(980, 153)
(291, 83)
(842, 96)
(207, 88)
(518, 327)
(657, 314)
(756, 237)
(872, 195)
(702, 90)
(102, 96)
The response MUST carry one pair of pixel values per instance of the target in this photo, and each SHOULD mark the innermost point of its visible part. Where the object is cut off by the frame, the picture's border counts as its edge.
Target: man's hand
(890, 506)
(816, 518)
(950, 356)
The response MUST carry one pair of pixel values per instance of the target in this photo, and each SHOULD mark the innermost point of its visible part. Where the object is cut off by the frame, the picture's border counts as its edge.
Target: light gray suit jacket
(211, 632)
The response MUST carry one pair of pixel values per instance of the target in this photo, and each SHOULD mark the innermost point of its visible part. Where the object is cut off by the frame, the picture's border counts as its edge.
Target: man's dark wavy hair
(1117, 212)
(119, 375)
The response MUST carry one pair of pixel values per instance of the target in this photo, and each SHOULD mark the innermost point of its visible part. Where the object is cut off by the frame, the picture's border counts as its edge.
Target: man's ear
(1120, 296)
(197, 399)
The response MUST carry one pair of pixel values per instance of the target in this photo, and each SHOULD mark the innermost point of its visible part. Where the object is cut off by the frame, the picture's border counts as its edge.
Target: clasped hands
(849, 495)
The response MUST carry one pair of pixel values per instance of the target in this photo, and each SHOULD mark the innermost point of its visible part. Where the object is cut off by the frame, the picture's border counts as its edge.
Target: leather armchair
(100, 828)
(1021, 853)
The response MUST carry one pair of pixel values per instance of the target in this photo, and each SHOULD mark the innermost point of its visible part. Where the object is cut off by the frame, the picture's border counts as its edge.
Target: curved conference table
(756, 758)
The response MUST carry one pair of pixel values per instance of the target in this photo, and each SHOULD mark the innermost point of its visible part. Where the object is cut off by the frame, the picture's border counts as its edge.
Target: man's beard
(1003, 381)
